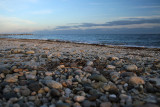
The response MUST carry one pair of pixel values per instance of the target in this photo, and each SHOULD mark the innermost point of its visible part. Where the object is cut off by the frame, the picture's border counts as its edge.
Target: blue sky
(104, 16)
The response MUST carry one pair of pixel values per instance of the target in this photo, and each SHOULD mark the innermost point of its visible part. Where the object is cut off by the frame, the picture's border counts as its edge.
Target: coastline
(77, 74)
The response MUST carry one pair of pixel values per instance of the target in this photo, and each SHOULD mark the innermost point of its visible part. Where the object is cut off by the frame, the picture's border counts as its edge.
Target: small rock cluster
(62, 77)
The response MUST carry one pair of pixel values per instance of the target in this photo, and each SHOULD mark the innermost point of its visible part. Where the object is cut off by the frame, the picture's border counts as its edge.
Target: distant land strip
(16, 34)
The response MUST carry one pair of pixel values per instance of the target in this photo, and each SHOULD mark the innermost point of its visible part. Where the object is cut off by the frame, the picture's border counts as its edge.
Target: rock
(136, 80)
(32, 98)
(98, 78)
(1, 55)
(30, 52)
(106, 104)
(53, 84)
(30, 76)
(18, 70)
(55, 93)
(110, 87)
(113, 97)
(76, 105)
(79, 98)
(113, 58)
(48, 73)
(131, 67)
(110, 67)
(25, 91)
(4, 70)
(35, 86)
(17, 51)
(9, 95)
(87, 103)
(128, 74)
(89, 63)
(16, 105)
(67, 92)
(114, 76)
(62, 105)
(11, 78)
(88, 69)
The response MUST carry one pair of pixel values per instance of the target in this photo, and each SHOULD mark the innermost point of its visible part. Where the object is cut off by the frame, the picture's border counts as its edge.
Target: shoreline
(64, 74)
(109, 46)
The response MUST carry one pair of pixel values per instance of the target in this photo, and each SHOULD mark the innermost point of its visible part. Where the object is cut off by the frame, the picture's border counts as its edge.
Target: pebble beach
(45, 73)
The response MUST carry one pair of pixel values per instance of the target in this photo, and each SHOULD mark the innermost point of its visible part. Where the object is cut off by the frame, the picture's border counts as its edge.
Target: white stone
(79, 98)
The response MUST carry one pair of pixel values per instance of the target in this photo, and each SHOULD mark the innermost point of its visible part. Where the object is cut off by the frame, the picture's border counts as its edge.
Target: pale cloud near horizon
(14, 24)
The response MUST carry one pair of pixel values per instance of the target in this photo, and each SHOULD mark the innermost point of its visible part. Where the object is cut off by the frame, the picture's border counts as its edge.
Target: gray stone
(62, 105)
(113, 97)
(106, 104)
(53, 84)
(25, 91)
(114, 76)
(131, 67)
(98, 78)
(55, 93)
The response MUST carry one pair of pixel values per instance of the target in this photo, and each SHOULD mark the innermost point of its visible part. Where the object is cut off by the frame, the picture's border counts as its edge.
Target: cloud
(125, 23)
(14, 24)
(41, 12)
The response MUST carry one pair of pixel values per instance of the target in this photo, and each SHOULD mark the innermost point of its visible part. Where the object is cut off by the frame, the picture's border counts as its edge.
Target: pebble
(136, 80)
(113, 97)
(98, 78)
(88, 69)
(110, 67)
(62, 105)
(11, 78)
(131, 67)
(30, 52)
(106, 104)
(53, 84)
(55, 93)
(79, 98)
(114, 76)
(35, 86)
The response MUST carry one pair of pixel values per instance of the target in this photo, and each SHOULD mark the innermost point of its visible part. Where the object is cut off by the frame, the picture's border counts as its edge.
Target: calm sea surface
(131, 40)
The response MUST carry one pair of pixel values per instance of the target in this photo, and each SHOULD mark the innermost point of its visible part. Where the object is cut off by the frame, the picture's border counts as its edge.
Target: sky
(80, 16)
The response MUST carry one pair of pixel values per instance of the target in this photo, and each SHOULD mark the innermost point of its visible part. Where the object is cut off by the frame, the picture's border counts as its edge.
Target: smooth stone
(62, 105)
(32, 98)
(53, 84)
(4, 70)
(88, 69)
(11, 78)
(113, 97)
(79, 98)
(17, 51)
(30, 76)
(9, 95)
(25, 91)
(48, 73)
(114, 76)
(55, 93)
(110, 67)
(128, 74)
(67, 92)
(98, 78)
(35, 86)
(30, 52)
(112, 88)
(87, 103)
(136, 80)
(131, 67)
(113, 58)
(89, 63)
(106, 104)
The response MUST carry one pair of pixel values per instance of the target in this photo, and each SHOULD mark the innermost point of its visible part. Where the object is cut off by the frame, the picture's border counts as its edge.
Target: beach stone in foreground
(105, 104)
(53, 84)
(136, 80)
(98, 78)
(131, 67)
(79, 98)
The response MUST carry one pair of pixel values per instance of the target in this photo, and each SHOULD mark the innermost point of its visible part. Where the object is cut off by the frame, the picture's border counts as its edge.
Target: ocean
(129, 40)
